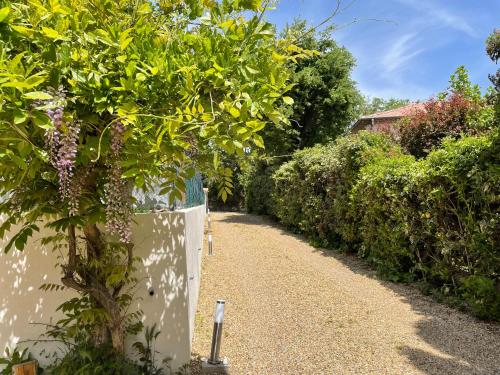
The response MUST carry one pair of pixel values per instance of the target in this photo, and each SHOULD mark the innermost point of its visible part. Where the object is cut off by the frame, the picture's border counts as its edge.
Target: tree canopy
(325, 98)
(375, 104)
(493, 50)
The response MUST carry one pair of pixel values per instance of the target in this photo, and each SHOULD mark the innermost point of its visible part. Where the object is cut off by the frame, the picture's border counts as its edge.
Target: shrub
(435, 219)
(15, 357)
(459, 196)
(384, 206)
(84, 357)
(258, 186)
(96, 360)
(311, 192)
(438, 119)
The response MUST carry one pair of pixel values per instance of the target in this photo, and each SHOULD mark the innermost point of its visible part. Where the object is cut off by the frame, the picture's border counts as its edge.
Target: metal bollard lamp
(214, 364)
(210, 244)
(217, 333)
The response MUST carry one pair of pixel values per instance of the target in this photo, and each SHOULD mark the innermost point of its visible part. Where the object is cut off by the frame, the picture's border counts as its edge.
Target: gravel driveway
(294, 309)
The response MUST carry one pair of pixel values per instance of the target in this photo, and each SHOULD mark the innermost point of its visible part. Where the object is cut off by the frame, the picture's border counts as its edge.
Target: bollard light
(214, 364)
(217, 333)
(210, 245)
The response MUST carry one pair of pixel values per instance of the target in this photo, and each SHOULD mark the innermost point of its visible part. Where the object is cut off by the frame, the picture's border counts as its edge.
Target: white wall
(170, 246)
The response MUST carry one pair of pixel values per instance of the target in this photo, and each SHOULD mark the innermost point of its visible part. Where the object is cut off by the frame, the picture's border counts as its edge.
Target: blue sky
(412, 53)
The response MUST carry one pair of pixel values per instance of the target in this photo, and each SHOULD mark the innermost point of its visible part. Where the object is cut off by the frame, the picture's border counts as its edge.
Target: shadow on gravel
(465, 344)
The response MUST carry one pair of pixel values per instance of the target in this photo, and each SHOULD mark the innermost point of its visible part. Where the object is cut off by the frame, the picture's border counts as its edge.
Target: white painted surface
(170, 246)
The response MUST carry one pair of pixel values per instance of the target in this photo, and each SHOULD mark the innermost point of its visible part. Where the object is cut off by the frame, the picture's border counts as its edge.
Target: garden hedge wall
(435, 220)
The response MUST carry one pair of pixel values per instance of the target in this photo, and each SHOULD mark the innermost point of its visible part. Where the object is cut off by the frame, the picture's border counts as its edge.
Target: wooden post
(27, 368)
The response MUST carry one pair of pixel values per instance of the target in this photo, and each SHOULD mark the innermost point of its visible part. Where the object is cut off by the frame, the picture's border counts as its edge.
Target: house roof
(396, 113)
(403, 111)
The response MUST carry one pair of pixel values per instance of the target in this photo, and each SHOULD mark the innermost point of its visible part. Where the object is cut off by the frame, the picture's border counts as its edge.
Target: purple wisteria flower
(62, 144)
(118, 202)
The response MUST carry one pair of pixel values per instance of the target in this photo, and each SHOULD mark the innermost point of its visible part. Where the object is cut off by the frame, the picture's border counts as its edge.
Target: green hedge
(257, 186)
(436, 219)
(311, 192)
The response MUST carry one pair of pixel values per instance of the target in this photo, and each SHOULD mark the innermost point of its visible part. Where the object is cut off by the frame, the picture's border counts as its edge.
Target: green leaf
(139, 181)
(20, 116)
(259, 142)
(234, 112)
(4, 13)
(21, 237)
(41, 120)
(131, 173)
(252, 70)
(22, 30)
(288, 100)
(216, 161)
(125, 42)
(51, 33)
(38, 95)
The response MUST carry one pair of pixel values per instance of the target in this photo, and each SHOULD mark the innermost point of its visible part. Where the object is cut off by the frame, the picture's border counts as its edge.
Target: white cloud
(401, 90)
(441, 15)
(401, 52)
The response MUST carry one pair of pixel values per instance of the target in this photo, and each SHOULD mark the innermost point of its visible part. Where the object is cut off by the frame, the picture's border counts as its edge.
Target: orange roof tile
(406, 110)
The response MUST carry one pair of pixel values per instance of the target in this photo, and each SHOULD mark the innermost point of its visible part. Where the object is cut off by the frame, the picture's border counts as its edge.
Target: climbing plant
(98, 97)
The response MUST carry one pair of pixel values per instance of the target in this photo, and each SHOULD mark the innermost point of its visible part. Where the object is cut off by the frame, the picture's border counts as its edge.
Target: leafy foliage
(380, 203)
(427, 127)
(435, 219)
(147, 351)
(84, 356)
(374, 105)
(459, 110)
(493, 50)
(323, 99)
(98, 97)
(311, 191)
(493, 45)
(458, 193)
(14, 357)
(86, 359)
(234, 191)
(258, 185)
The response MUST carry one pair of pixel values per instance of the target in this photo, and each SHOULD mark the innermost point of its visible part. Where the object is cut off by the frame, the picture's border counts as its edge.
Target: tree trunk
(118, 337)
(82, 279)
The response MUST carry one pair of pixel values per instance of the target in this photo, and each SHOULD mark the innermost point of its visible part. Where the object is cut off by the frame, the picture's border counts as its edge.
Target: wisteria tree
(99, 96)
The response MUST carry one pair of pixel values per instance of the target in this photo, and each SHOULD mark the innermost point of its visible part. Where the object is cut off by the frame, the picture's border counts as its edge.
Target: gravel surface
(294, 309)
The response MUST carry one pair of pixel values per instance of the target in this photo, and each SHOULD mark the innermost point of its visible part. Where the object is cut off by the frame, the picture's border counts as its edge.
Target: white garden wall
(170, 245)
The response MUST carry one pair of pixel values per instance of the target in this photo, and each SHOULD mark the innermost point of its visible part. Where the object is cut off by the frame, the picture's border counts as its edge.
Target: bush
(436, 219)
(84, 357)
(96, 360)
(459, 196)
(438, 119)
(258, 186)
(311, 192)
(384, 208)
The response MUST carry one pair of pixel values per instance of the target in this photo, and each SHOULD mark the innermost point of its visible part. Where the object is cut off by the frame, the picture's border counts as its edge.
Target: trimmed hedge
(258, 186)
(436, 219)
(311, 192)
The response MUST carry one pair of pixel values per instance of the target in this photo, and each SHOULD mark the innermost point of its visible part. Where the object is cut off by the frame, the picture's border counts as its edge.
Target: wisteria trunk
(87, 281)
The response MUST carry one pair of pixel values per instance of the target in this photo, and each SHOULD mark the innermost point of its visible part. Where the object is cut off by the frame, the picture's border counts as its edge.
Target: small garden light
(217, 333)
(214, 364)
(210, 244)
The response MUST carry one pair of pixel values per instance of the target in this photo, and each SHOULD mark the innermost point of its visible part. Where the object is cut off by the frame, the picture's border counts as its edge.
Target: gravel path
(294, 309)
